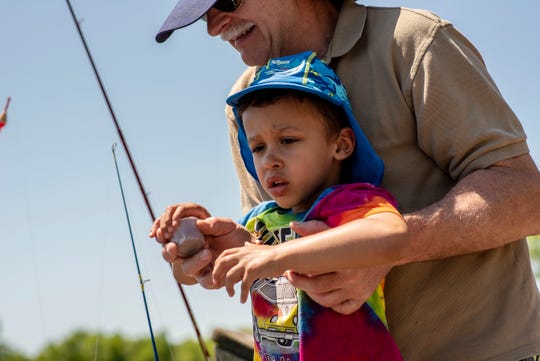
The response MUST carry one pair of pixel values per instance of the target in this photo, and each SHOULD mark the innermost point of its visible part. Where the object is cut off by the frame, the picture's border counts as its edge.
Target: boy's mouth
(276, 186)
(274, 182)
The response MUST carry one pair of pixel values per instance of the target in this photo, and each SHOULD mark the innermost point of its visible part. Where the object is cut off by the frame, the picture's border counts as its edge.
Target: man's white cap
(185, 13)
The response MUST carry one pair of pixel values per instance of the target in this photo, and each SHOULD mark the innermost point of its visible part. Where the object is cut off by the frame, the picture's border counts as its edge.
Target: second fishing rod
(200, 340)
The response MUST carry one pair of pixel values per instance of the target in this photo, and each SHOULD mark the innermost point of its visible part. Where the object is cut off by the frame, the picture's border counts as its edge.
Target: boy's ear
(345, 143)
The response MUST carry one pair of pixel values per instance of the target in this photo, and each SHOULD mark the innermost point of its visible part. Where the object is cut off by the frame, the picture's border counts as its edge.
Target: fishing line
(100, 300)
(135, 172)
(141, 280)
(33, 247)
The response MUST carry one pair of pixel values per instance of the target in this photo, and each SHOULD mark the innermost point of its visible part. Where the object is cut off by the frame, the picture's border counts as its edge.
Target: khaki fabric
(425, 100)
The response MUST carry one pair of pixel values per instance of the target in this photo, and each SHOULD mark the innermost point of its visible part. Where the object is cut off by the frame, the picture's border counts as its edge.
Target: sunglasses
(227, 6)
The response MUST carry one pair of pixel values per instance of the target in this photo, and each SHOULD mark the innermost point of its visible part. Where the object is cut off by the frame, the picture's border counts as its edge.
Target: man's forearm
(487, 209)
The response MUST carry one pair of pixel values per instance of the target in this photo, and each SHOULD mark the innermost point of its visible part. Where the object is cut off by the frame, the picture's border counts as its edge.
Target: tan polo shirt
(423, 97)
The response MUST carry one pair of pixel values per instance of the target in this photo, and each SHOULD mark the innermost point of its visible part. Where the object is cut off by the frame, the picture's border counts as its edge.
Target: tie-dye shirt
(287, 324)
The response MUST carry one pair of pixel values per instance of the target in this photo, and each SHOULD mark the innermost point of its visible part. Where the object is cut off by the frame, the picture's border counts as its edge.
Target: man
(455, 157)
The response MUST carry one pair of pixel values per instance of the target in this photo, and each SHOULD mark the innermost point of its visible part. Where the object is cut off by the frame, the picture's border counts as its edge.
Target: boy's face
(293, 154)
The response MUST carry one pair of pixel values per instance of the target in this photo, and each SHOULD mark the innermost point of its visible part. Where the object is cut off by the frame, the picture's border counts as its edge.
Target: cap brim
(234, 100)
(185, 13)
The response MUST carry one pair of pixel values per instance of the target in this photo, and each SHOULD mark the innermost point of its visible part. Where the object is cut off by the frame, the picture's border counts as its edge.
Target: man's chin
(251, 59)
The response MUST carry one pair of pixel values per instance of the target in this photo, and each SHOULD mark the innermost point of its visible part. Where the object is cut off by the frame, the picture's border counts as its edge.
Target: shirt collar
(349, 29)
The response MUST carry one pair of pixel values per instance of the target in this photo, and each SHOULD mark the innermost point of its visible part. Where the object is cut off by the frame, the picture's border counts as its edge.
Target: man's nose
(216, 21)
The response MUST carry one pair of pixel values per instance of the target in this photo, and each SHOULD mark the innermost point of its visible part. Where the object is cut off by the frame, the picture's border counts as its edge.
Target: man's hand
(219, 234)
(163, 229)
(343, 291)
(164, 226)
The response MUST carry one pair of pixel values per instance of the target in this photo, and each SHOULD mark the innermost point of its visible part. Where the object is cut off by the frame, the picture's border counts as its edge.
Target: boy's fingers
(216, 226)
(233, 276)
(230, 288)
(245, 291)
(189, 210)
(309, 227)
(218, 273)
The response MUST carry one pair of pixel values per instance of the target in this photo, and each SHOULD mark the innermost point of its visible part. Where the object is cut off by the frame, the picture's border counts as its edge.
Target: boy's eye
(288, 140)
(257, 148)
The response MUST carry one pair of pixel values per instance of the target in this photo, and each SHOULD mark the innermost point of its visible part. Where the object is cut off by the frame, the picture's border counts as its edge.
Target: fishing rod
(3, 115)
(202, 345)
(141, 281)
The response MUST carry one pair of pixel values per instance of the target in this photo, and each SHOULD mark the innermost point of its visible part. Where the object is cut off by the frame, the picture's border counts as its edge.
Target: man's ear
(345, 143)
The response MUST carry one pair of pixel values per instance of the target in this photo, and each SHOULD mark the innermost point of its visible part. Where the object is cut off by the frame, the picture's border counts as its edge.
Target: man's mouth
(235, 32)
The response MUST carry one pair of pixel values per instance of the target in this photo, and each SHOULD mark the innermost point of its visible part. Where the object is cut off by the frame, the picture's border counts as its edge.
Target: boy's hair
(335, 116)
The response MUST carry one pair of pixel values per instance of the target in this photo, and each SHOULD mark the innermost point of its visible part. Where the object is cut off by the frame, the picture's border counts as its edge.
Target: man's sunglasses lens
(227, 6)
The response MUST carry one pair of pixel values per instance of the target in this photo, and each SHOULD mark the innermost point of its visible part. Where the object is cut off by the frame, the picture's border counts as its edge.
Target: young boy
(299, 139)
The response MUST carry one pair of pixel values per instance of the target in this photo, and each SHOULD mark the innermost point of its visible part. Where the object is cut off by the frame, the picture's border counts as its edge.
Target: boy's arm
(380, 238)
(476, 205)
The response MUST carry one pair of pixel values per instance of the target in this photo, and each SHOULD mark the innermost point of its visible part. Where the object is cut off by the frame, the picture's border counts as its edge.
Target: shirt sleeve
(463, 121)
(348, 202)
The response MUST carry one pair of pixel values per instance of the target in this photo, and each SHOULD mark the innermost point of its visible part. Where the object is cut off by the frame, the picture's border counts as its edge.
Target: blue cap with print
(307, 73)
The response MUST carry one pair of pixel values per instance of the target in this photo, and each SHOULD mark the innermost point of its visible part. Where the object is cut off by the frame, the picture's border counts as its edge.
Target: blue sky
(65, 252)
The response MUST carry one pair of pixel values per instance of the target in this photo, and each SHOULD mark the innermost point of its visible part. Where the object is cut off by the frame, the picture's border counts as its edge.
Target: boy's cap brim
(234, 99)
(185, 13)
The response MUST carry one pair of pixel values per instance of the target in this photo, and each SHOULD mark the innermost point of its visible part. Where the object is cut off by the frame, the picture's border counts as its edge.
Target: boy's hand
(244, 264)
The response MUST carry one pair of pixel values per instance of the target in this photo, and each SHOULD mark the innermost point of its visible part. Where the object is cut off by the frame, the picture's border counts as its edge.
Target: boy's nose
(272, 160)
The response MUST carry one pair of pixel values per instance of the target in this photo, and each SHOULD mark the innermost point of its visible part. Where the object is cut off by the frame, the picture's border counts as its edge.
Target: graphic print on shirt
(321, 333)
(275, 304)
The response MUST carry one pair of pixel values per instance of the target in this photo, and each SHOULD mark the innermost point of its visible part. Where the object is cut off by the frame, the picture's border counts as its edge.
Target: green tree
(79, 346)
(190, 351)
(84, 346)
(7, 353)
